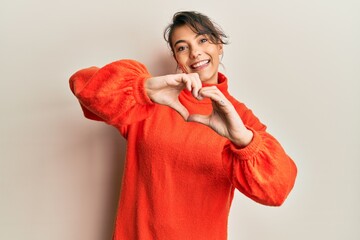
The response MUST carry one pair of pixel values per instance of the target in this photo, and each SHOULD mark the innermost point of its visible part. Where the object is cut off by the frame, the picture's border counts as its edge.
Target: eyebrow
(181, 41)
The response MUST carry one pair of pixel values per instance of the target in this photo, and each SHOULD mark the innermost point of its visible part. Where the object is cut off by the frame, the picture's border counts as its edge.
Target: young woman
(190, 144)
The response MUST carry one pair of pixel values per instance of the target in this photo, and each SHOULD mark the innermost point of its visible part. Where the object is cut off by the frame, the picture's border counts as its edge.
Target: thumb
(177, 106)
(204, 119)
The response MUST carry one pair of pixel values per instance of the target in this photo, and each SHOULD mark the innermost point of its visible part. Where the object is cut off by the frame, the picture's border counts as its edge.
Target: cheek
(181, 60)
(216, 56)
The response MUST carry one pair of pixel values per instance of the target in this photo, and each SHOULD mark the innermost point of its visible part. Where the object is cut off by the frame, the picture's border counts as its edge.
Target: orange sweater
(179, 177)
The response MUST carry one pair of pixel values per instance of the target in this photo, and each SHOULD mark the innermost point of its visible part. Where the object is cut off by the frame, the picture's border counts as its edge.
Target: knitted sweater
(179, 177)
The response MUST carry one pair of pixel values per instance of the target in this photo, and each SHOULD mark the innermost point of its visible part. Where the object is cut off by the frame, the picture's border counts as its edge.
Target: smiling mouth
(200, 65)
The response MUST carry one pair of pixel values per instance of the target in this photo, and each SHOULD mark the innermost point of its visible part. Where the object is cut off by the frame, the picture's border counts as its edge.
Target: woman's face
(196, 54)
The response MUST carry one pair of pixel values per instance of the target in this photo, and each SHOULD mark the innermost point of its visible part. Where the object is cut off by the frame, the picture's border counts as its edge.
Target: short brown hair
(199, 23)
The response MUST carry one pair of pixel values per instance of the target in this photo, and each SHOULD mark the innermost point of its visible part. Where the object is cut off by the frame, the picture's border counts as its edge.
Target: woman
(179, 175)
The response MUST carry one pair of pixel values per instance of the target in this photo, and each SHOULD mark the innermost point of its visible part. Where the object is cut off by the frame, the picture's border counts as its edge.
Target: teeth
(199, 64)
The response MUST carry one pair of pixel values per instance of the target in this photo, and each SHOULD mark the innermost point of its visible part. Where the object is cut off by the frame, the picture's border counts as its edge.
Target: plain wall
(294, 63)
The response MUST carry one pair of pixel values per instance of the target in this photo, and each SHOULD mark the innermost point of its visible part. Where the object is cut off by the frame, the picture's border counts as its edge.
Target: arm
(261, 170)
(114, 93)
(256, 163)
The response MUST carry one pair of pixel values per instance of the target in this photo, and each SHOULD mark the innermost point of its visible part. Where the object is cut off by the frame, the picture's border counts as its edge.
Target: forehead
(183, 33)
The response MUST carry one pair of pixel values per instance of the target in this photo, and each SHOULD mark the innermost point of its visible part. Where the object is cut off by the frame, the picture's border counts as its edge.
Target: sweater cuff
(250, 150)
(140, 93)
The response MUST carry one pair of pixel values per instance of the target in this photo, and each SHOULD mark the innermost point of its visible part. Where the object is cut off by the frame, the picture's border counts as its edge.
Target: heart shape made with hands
(223, 119)
(222, 116)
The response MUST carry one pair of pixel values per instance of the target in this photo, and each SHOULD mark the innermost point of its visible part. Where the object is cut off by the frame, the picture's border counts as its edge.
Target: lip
(199, 65)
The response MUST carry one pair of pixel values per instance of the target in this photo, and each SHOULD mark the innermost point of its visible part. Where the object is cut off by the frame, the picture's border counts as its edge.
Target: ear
(220, 47)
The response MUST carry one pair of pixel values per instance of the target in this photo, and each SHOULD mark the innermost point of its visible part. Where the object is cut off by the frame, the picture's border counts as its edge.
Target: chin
(208, 78)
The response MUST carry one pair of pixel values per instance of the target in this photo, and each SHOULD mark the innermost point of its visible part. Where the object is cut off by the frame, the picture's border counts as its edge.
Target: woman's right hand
(165, 90)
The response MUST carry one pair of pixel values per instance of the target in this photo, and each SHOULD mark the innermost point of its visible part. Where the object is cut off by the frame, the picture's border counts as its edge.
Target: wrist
(243, 139)
(147, 83)
(149, 86)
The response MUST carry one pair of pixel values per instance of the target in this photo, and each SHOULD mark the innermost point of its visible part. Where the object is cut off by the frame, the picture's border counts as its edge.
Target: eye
(181, 48)
(203, 40)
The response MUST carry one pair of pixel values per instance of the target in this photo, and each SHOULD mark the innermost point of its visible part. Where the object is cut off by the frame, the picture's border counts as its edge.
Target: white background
(295, 63)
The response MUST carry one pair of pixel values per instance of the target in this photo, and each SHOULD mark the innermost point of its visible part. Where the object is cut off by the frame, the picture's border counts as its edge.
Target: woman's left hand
(224, 119)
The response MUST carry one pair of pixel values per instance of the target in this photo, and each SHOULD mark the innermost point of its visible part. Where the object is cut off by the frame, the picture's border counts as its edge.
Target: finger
(215, 95)
(196, 87)
(203, 119)
(187, 81)
(183, 80)
(213, 89)
(195, 84)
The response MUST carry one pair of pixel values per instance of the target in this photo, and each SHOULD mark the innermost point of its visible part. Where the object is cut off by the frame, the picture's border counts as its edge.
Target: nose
(195, 52)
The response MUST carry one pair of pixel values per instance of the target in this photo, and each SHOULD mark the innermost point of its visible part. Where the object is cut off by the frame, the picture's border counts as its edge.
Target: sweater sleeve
(114, 93)
(262, 170)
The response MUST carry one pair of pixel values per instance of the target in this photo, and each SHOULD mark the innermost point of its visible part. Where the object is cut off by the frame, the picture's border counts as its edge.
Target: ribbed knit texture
(179, 177)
